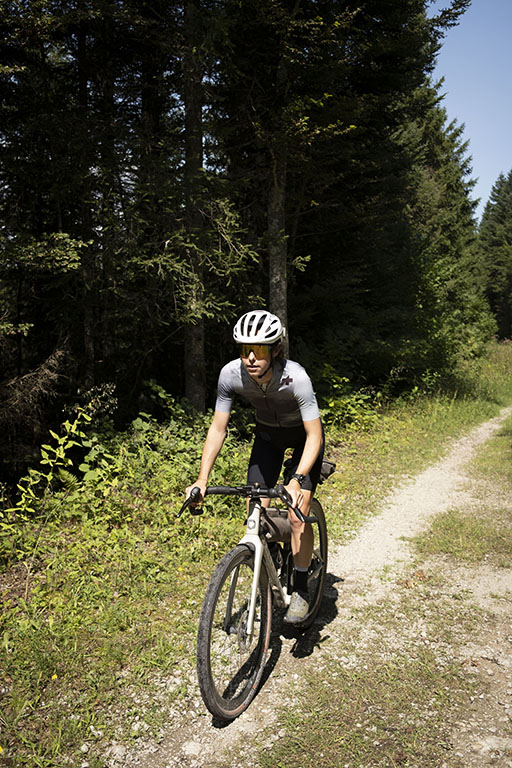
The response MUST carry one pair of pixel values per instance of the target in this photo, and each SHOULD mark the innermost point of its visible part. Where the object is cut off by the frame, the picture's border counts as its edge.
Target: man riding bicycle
(287, 416)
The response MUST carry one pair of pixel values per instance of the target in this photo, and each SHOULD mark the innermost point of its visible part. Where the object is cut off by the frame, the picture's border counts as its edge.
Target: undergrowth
(101, 585)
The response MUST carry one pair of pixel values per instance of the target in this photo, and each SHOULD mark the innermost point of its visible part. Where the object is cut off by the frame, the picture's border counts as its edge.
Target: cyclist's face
(256, 358)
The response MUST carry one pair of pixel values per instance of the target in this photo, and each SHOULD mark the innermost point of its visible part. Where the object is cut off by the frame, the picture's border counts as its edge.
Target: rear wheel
(230, 661)
(318, 568)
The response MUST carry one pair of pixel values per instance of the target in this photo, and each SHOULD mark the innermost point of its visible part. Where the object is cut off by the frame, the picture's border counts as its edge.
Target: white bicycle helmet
(258, 327)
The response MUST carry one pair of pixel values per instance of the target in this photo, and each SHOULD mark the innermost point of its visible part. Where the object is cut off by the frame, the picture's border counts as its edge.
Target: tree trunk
(88, 266)
(277, 245)
(276, 216)
(194, 362)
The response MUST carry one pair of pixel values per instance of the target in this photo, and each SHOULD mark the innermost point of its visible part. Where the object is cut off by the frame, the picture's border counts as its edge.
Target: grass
(494, 461)
(485, 533)
(98, 623)
(368, 724)
(393, 688)
(385, 690)
(91, 628)
(470, 537)
(408, 437)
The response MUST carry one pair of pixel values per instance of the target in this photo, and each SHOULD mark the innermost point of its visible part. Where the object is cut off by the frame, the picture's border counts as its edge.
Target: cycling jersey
(287, 401)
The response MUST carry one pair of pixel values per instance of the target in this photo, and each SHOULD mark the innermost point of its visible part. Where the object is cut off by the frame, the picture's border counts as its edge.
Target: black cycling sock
(300, 582)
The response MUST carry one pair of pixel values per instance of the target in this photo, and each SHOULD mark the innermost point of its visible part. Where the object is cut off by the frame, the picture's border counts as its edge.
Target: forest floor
(387, 605)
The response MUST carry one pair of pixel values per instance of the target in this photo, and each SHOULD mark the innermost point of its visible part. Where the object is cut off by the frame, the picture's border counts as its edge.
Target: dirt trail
(192, 740)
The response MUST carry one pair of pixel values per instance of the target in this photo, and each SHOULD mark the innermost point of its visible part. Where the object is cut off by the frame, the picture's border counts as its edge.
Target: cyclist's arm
(211, 449)
(312, 447)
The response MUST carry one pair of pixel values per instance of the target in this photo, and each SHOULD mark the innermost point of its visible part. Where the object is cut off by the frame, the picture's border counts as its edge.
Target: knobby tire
(318, 567)
(230, 664)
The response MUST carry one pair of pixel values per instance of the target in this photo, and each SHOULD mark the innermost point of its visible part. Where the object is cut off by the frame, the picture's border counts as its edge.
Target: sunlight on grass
(482, 533)
(383, 698)
(100, 606)
(494, 460)
(467, 537)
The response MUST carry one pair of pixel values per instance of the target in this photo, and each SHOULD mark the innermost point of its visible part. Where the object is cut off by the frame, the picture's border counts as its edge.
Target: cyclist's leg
(306, 598)
(265, 462)
(302, 533)
(265, 466)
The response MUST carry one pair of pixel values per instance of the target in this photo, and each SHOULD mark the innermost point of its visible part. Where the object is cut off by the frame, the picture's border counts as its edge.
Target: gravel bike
(234, 627)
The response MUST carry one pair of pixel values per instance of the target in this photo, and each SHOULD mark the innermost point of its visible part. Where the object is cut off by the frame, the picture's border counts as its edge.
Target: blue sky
(476, 62)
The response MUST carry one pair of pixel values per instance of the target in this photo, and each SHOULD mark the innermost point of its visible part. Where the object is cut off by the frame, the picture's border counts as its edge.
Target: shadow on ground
(304, 641)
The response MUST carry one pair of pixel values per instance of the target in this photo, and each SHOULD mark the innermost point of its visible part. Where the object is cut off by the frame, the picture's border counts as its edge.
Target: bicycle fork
(252, 538)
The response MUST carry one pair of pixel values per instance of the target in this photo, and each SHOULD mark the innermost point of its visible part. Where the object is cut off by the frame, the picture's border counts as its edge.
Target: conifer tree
(166, 165)
(495, 248)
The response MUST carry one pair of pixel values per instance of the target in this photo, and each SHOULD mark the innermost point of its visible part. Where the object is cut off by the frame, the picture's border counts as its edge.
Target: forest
(166, 166)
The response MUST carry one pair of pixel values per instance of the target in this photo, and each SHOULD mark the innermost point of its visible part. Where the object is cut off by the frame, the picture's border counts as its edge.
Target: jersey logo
(288, 380)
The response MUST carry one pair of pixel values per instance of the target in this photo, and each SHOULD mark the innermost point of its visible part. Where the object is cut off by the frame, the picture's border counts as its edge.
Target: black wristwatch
(299, 478)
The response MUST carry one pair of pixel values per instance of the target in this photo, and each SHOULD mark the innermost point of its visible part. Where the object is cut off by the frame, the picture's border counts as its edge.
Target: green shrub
(344, 407)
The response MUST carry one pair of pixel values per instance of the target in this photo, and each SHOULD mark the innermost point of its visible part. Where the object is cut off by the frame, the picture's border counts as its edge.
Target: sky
(476, 63)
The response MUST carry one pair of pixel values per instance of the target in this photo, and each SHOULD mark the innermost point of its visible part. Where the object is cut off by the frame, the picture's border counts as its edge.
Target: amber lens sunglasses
(259, 350)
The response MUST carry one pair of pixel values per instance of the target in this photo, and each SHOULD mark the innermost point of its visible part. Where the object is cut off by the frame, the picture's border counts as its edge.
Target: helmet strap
(270, 365)
(272, 358)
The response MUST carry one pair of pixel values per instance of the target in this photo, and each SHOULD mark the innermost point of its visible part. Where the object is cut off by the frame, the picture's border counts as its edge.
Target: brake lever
(194, 496)
(287, 499)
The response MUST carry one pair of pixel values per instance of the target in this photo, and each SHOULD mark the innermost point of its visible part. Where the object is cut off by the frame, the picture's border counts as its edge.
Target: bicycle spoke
(230, 647)
(231, 661)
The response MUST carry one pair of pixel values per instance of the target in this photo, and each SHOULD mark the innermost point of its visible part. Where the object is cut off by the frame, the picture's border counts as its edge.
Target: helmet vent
(258, 326)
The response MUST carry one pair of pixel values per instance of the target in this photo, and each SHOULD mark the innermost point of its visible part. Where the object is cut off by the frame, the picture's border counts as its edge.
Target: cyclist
(287, 416)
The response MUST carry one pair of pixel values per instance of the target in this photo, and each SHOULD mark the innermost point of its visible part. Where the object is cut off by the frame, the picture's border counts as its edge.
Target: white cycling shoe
(297, 610)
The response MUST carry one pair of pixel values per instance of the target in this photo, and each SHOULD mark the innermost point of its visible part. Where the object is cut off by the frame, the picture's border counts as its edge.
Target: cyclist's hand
(201, 484)
(295, 492)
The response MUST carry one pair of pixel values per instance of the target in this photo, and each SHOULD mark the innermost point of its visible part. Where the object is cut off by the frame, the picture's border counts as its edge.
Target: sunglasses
(259, 350)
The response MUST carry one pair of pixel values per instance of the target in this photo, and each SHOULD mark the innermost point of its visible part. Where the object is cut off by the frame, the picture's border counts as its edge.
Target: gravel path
(409, 508)
(193, 741)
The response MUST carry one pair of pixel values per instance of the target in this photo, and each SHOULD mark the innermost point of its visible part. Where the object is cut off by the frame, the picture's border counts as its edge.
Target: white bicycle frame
(257, 543)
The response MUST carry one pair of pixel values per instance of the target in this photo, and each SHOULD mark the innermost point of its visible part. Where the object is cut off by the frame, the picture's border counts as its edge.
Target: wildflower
(54, 676)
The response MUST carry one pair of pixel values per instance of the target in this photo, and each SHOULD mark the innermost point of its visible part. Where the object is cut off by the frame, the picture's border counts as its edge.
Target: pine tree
(495, 248)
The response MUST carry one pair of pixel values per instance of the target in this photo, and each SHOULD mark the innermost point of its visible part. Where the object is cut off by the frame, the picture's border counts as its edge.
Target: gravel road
(192, 740)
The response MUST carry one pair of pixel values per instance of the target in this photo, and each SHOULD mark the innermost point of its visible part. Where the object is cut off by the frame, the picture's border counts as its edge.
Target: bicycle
(233, 637)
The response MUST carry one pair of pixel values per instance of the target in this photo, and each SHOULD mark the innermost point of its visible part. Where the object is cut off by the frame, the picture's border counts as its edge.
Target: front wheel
(230, 661)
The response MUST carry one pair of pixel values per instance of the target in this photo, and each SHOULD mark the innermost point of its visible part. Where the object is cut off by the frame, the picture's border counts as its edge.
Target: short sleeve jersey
(288, 400)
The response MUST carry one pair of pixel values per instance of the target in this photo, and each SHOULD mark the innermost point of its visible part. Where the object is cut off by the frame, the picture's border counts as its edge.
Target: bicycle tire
(318, 569)
(229, 664)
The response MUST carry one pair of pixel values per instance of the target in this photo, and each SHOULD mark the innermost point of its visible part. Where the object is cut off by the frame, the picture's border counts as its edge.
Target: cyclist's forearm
(312, 446)
(310, 453)
(213, 443)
